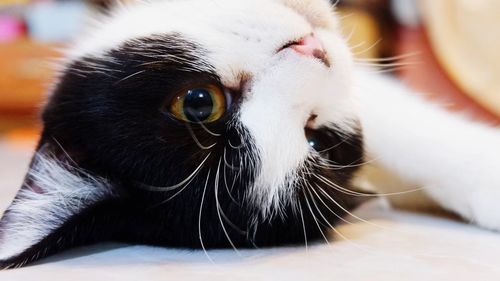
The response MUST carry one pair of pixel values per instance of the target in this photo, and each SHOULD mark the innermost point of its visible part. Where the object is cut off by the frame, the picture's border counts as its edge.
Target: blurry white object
(56, 21)
(466, 39)
(406, 12)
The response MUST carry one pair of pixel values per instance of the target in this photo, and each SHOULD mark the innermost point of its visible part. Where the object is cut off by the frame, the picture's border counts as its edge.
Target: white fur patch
(276, 113)
(455, 160)
(60, 194)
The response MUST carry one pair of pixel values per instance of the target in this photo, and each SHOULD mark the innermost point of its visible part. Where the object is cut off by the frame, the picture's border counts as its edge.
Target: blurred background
(446, 49)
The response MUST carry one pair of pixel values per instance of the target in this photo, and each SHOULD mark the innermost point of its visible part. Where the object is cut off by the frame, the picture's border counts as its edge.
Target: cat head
(194, 124)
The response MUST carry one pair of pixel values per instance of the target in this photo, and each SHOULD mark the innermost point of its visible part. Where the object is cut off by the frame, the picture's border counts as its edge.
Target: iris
(203, 104)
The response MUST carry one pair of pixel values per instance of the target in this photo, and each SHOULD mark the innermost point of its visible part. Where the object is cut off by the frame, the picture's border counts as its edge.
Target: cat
(230, 123)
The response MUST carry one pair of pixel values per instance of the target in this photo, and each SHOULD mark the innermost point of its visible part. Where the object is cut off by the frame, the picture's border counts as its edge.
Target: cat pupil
(313, 142)
(198, 105)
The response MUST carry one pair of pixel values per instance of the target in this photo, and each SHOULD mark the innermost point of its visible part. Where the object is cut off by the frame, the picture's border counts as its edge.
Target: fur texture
(449, 158)
(53, 192)
(277, 168)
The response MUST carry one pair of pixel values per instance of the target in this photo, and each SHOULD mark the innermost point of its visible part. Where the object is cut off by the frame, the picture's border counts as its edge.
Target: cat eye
(314, 140)
(205, 104)
(314, 143)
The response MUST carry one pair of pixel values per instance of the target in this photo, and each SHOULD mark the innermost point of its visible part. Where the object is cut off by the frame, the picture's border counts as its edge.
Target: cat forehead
(218, 25)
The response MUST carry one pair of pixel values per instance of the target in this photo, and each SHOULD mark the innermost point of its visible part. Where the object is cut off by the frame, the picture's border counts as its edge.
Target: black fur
(109, 116)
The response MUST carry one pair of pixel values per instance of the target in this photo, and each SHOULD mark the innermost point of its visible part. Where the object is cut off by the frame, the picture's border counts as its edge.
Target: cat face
(194, 124)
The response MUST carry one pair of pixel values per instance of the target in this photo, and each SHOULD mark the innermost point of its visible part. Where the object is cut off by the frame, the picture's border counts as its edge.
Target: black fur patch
(107, 115)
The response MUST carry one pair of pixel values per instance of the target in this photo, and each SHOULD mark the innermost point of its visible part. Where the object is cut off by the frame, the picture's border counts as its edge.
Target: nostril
(309, 46)
(321, 55)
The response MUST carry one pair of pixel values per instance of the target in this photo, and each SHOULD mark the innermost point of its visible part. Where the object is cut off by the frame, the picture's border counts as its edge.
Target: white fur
(310, 89)
(32, 216)
(455, 160)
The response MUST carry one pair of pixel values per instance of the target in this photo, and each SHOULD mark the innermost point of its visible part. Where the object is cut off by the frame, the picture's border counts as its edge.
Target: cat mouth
(309, 46)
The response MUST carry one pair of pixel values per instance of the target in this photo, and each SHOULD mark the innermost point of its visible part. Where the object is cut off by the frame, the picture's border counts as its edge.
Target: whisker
(240, 134)
(130, 76)
(233, 226)
(327, 164)
(353, 47)
(64, 151)
(367, 49)
(342, 189)
(343, 208)
(175, 195)
(315, 219)
(227, 163)
(240, 171)
(355, 193)
(208, 130)
(333, 228)
(388, 59)
(384, 66)
(303, 227)
(328, 207)
(357, 217)
(218, 207)
(347, 211)
(182, 183)
(324, 218)
(333, 147)
(346, 15)
(353, 30)
(199, 220)
(199, 122)
(388, 70)
(225, 183)
(193, 135)
(235, 147)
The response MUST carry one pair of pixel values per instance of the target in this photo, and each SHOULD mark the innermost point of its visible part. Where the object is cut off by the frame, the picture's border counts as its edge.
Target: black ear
(58, 206)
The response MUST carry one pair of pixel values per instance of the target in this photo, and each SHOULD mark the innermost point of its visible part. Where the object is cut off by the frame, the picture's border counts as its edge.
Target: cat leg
(455, 160)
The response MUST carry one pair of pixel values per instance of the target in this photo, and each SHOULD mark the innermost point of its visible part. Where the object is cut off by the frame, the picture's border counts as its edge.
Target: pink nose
(311, 46)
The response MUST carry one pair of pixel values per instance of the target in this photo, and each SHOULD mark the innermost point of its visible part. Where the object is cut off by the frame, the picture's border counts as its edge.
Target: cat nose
(311, 46)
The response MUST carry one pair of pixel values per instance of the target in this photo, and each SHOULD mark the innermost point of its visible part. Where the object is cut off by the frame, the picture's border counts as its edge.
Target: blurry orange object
(466, 40)
(22, 138)
(425, 74)
(25, 74)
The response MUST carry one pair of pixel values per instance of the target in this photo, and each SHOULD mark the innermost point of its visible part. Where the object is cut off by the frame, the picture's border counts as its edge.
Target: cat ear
(58, 206)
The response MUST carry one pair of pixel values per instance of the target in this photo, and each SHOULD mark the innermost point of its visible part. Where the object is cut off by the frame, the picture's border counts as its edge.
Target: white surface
(390, 246)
